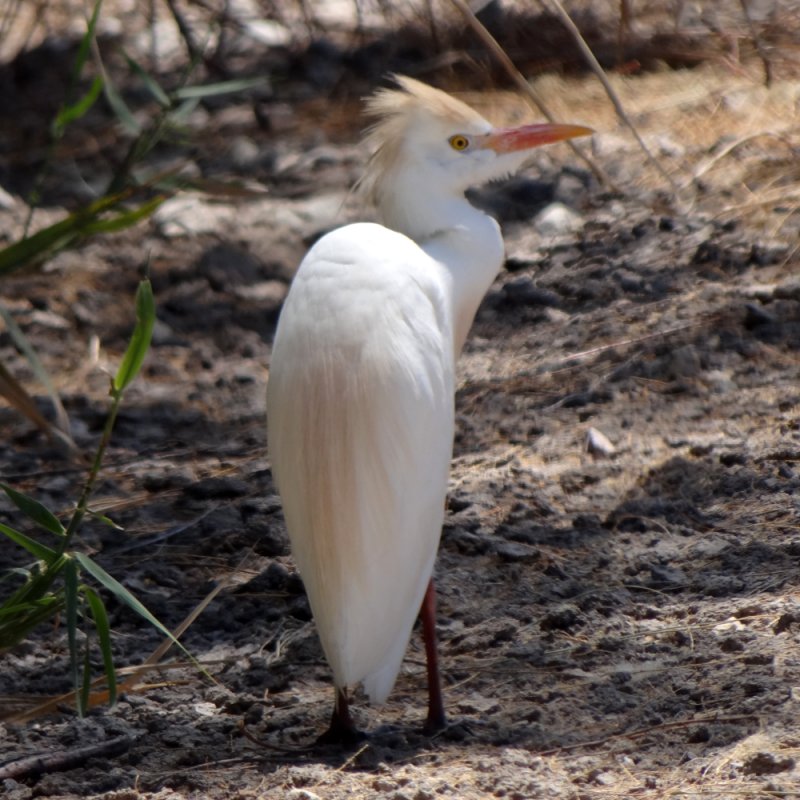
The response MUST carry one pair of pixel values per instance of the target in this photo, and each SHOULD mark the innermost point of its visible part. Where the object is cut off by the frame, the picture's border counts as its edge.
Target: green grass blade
(34, 510)
(122, 594)
(69, 113)
(41, 578)
(86, 41)
(14, 572)
(71, 606)
(17, 622)
(182, 113)
(44, 243)
(35, 248)
(106, 520)
(120, 108)
(150, 83)
(100, 617)
(140, 341)
(24, 609)
(216, 89)
(124, 220)
(31, 603)
(75, 111)
(40, 551)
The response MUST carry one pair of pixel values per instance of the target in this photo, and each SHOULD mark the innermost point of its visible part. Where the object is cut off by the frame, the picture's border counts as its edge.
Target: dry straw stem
(757, 42)
(650, 730)
(594, 65)
(528, 91)
(18, 397)
(701, 169)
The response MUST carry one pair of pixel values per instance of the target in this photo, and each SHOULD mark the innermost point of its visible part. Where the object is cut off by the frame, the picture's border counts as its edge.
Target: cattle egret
(361, 386)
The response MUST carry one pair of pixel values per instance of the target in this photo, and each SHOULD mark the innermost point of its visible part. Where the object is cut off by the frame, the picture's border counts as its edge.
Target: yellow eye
(459, 142)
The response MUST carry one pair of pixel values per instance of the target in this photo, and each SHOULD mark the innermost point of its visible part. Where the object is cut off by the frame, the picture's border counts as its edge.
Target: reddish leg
(342, 729)
(436, 717)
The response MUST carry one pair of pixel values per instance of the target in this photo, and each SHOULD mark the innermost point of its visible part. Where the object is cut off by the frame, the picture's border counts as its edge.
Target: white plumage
(357, 403)
(360, 395)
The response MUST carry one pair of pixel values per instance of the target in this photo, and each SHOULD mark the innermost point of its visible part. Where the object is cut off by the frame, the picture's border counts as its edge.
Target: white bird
(360, 398)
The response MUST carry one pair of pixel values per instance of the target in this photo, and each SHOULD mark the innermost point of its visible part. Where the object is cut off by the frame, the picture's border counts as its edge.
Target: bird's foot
(435, 723)
(343, 736)
(342, 731)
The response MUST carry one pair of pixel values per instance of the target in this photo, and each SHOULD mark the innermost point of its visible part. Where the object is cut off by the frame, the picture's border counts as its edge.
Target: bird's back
(360, 406)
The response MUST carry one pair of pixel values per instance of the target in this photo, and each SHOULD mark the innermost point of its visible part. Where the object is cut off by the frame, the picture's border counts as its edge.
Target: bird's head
(426, 143)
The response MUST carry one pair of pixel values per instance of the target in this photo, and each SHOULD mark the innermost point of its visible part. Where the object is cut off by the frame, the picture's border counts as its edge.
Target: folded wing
(360, 408)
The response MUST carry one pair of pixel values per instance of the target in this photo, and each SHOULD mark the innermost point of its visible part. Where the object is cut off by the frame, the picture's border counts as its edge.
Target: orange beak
(509, 140)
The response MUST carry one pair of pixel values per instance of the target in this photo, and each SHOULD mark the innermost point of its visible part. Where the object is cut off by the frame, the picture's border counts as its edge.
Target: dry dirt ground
(619, 573)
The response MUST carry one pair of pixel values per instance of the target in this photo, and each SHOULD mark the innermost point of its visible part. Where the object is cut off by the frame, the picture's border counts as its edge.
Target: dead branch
(32, 766)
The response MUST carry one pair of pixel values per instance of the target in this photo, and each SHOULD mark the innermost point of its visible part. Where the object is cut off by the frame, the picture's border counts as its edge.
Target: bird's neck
(464, 240)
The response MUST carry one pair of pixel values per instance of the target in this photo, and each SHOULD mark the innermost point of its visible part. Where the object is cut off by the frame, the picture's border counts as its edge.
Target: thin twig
(707, 165)
(351, 760)
(593, 351)
(185, 30)
(639, 732)
(594, 64)
(31, 766)
(524, 86)
(299, 751)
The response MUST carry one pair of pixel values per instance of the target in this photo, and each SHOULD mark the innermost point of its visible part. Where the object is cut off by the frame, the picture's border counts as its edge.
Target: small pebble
(599, 444)
(7, 201)
(557, 219)
(301, 794)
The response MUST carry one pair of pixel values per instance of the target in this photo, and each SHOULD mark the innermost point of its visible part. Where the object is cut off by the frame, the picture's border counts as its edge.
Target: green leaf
(36, 549)
(103, 629)
(44, 243)
(216, 89)
(182, 113)
(36, 248)
(71, 603)
(69, 113)
(14, 572)
(140, 341)
(21, 609)
(150, 83)
(122, 594)
(86, 41)
(40, 579)
(78, 109)
(34, 510)
(16, 622)
(124, 220)
(120, 108)
(31, 604)
(104, 519)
